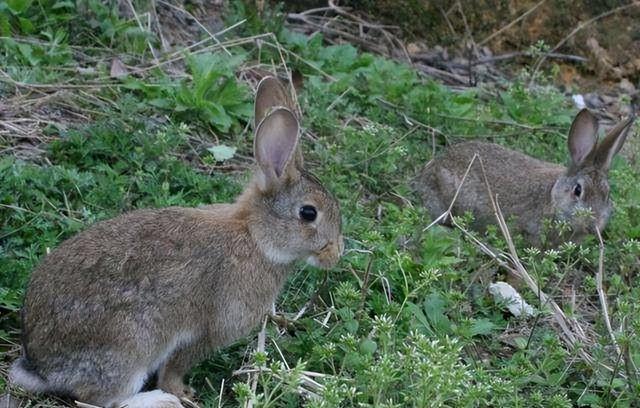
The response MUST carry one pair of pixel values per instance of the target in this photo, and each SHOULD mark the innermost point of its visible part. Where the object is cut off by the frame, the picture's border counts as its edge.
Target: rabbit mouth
(328, 256)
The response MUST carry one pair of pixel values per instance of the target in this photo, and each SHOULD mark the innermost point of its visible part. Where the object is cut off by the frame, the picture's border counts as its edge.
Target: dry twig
(511, 24)
(601, 293)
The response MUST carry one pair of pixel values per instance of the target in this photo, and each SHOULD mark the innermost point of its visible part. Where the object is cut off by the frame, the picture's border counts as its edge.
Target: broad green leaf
(482, 327)
(368, 346)
(222, 152)
(18, 6)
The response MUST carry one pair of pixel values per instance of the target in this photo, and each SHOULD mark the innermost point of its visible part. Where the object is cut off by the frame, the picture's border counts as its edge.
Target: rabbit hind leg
(172, 372)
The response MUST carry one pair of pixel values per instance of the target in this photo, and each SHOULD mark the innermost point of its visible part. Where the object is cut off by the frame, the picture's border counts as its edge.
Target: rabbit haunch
(154, 291)
(527, 189)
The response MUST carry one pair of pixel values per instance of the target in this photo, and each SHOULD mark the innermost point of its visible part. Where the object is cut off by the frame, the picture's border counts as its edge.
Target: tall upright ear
(583, 136)
(271, 94)
(275, 147)
(612, 143)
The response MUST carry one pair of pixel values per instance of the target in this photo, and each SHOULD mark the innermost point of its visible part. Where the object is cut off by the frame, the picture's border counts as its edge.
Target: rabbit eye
(308, 213)
(577, 190)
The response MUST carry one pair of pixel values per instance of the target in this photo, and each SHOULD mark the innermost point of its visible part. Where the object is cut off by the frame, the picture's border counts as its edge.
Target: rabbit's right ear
(274, 148)
(612, 143)
(583, 136)
(271, 94)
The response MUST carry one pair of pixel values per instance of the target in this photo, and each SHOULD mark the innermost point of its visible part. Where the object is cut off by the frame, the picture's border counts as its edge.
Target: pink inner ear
(581, 150)
(276, 140)
(583, 136)
(277, 154)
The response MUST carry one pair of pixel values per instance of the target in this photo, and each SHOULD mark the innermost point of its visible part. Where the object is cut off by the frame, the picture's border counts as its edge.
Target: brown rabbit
(153, 291)
(528, 189)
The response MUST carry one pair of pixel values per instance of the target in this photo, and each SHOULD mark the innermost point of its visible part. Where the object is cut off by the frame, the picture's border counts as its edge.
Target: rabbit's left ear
(583, 136)
(272, 94)
(275, 148)
(612, 143)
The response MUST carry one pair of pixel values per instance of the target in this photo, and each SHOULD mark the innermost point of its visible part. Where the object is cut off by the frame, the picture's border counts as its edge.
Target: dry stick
(601, 294)
(156, 19)
(392, 39)
(135, 15)
(379, 153)
(502, 57)
(13, 82)
(446, 19)
(511, 24)
(253, 377)
(474, 47)
(411, 121)
(441, 74)
(209, 33)
(85, 405)
(342, 11)
(455, 196)
(220, 395)
(325, 29)
(230, 43)
(580, 26)
(312, 299)
(214, 37)
(293, 54)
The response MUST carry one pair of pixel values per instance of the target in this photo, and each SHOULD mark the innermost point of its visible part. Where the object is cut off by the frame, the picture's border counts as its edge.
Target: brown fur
(153, 291)
(527, 190)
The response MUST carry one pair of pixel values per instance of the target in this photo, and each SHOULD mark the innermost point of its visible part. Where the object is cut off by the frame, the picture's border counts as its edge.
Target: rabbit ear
(612, 143)
(271, 94)
(275, 147)
(582, 136)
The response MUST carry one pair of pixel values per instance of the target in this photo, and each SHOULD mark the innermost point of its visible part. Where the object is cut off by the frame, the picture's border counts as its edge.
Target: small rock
(413, 48)
(503, 292)
(578, 100)
(594, 101)
(486, 52)
(118, 70)
(626, 86)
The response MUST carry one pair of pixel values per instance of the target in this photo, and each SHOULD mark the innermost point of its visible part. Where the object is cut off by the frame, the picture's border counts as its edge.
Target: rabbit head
(581, 196)
(299, 218)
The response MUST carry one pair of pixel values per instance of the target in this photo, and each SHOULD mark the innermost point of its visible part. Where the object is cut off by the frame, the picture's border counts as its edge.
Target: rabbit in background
(154, 291)
(528, 189)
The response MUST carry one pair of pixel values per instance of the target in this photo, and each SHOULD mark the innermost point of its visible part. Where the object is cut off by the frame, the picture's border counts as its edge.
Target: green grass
(405, 319)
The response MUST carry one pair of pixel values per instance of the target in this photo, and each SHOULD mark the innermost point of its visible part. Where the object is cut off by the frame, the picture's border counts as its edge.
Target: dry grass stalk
(252, 378)
(601, 293)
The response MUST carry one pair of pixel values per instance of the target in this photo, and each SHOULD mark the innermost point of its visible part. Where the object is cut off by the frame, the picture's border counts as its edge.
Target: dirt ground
(604, 34)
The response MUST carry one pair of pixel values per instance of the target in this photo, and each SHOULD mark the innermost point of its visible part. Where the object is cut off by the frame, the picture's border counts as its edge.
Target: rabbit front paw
(179, 389)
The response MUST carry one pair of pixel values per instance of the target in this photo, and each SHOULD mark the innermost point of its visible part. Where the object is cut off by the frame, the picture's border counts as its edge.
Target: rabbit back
(515, 178)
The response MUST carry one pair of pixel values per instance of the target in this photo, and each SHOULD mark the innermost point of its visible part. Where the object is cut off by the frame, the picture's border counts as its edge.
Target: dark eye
(308, 213)
(577, 190)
